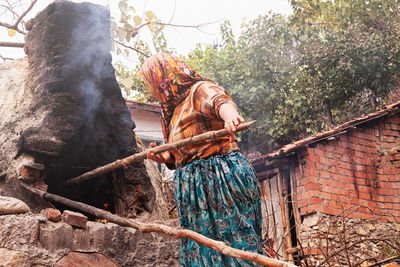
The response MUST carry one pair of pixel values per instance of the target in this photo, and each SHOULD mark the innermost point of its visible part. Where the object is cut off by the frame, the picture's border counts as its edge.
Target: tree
(311, 71)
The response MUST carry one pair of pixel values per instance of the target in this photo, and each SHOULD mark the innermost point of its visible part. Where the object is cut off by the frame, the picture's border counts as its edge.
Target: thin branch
(11, 44)
(160, 228)
(15, 25)
(173, 13)
(131, 47)
(25, 12)
(11, 10)
(5, 58)
(178, 25)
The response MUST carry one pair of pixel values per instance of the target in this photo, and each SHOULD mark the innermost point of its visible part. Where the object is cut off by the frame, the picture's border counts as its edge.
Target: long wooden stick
(160, 228)
(142, 155)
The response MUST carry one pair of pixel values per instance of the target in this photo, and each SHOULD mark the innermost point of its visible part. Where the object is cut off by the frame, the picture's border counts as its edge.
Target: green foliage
(327, 63)
(126, 33)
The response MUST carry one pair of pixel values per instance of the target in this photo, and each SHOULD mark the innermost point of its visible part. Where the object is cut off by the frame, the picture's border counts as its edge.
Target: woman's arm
(163, 157)
(229, 114)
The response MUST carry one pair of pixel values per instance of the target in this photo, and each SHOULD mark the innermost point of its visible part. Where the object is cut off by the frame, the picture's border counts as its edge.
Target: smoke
(88, 58)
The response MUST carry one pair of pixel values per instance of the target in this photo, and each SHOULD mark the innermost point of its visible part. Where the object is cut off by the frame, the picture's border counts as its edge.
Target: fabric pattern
(197, 114)
(218, 197)
(169, 79)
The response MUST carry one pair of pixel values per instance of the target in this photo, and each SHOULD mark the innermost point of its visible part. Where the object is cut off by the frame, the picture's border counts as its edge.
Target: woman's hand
(163, 157)
(232, 119)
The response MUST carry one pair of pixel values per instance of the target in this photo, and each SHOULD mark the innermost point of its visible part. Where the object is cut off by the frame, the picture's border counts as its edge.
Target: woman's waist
(204, 150)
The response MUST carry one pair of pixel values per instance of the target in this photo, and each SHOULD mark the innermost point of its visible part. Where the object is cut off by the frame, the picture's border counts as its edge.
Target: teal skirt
(218, 197)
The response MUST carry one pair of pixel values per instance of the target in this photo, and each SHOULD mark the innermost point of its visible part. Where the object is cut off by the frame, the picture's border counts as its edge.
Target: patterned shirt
(197, 114)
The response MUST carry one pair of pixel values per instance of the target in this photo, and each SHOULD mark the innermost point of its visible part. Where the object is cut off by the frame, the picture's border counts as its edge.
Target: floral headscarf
(168, 79)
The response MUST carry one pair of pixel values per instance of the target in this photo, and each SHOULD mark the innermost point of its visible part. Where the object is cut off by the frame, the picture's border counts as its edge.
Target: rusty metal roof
(390, 109)
(143, 105)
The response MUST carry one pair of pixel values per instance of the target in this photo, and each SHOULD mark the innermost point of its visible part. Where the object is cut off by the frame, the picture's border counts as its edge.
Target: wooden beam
(160, 228)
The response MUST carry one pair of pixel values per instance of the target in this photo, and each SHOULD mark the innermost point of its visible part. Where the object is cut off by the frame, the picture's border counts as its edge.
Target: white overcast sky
(186, 12)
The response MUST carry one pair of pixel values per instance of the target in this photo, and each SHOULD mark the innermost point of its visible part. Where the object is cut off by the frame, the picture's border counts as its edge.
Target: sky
(183, 12)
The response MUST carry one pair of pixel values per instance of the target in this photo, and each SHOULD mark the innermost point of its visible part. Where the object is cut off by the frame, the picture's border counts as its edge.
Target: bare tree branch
(12, 44)
(5, 58)
(198, 26)
(25, 12)
(11, 10)
(131, 47)
(15, 25)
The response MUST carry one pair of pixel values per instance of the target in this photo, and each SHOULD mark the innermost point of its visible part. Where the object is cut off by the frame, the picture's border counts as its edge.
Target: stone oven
(69, 116)
(62, 114)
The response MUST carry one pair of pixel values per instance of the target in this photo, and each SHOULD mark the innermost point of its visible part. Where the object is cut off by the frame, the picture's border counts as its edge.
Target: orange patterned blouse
(199, 113)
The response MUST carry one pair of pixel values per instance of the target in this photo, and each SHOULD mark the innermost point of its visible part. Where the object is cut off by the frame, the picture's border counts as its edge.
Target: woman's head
(168, 79)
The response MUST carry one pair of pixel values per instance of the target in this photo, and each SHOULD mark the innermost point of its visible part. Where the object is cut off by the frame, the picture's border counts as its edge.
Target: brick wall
(357, 174)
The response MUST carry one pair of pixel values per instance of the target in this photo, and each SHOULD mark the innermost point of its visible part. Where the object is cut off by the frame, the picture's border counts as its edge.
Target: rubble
(31, 239)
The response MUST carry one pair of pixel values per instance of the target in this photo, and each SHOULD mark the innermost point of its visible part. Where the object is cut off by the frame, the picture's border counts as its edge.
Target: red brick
(318, 151)
(389, 132)
(395, 126)
(313, 157)
(315, 200)
(363, 189)
(74, 218)
(388, 139)
(345, 165)
(365, 196)
(309, 164)
(330, 211)
(326, 195)
(379, 198)
(349, 186)
(367, 216)
(354, 201)
(303, 203)
(367, 143)
(312, 186)
(359, 154)
(387, 145)
(53, 215)
(394, 119)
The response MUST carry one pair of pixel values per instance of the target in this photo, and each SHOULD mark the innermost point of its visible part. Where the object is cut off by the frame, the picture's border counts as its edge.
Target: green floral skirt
(218, 197)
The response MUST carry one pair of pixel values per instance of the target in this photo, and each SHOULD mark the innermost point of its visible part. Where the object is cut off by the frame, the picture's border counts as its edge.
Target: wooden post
(285, 214)
(297, 217)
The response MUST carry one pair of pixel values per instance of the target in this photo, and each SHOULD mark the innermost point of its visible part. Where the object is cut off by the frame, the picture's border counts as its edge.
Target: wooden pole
(160, 228)
(143, 155)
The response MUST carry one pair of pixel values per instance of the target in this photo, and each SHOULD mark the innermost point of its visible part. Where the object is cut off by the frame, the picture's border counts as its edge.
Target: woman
(216, 193)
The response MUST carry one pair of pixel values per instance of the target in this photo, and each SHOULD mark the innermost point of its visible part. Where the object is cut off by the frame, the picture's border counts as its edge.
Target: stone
(81, 241)
(10, 205)
(361, 231)
(13, 258)
(86, 259)
(311, 220)
(51, 214)
(53, 236)
(74, 218)
(370, 226)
